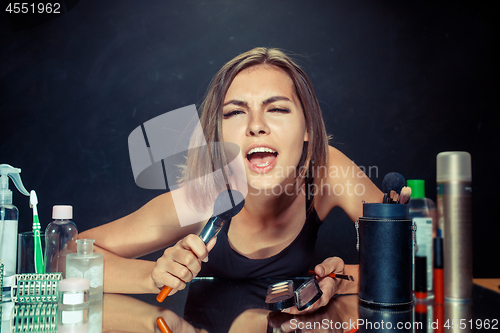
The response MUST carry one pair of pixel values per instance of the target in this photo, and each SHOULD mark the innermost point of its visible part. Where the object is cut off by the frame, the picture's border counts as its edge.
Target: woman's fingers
(330, 265)
(327, 284)
(181, 263)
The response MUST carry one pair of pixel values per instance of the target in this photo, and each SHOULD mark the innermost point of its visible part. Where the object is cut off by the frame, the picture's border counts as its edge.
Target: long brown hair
(315, 153)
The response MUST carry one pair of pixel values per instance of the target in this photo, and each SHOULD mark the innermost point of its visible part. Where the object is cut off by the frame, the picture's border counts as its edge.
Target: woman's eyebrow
(265, 102)
(275, 99)
(236, 102)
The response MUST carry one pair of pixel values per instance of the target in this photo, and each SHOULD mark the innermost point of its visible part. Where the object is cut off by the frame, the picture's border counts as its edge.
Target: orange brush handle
(162, 325)
(163, 293)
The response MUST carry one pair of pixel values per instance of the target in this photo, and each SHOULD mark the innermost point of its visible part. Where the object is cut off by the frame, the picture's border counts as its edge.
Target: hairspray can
(454, 187)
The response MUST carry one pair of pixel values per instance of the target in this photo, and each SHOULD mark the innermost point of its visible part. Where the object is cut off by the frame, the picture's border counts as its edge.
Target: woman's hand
(181, 262)
(339, 316)
(177, 324)
(329, 286)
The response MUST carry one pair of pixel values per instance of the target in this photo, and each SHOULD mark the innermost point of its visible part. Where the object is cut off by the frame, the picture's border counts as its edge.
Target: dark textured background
(398, 82)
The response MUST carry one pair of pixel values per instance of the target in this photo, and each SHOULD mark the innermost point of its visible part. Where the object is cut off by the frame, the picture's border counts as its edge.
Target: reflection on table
(213, 305)
(51, 317)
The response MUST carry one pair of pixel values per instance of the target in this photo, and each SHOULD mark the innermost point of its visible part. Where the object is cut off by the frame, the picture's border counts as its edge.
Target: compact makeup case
(281, 295)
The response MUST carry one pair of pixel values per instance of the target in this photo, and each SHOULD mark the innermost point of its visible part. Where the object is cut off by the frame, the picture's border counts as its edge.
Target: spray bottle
(9, 215)
(454, 201)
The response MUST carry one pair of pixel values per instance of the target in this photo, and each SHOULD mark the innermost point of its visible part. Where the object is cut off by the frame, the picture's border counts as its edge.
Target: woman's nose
(257, 125)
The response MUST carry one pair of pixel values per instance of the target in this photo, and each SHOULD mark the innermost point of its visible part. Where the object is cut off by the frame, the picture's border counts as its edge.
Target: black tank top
(293, 261)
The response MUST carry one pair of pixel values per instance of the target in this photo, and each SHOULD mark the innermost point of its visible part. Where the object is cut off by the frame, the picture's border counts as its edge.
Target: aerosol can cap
(454, 165)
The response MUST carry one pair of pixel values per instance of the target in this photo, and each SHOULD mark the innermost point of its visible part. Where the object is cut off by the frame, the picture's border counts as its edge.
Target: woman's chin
(270, 188)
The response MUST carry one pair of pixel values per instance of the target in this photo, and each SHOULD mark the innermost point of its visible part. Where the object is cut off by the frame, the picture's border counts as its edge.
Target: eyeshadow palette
(281, 295)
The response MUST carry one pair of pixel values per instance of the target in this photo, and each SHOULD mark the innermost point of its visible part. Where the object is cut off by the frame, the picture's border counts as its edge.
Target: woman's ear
(306, 136)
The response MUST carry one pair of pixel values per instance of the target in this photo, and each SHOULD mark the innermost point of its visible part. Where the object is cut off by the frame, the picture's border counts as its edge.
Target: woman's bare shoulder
(346, 185)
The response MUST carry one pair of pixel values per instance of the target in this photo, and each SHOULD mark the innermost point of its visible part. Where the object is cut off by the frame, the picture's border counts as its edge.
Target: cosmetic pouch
(385, 245)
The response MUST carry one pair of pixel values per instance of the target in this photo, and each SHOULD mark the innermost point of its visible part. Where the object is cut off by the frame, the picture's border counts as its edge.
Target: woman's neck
(269, 208)
(267, 224)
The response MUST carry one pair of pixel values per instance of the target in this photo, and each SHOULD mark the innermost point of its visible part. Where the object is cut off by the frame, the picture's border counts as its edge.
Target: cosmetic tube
(438, 271)
(420, 277)
(454, 187)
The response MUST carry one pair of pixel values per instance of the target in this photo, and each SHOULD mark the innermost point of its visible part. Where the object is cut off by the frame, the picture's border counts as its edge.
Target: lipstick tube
(438, 271)
(420, 277)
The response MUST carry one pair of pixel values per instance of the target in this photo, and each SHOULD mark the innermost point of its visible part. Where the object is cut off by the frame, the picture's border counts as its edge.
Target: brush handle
(337, 276)
(163, 293)
(39, 266)
(341, 276)
(162, 325)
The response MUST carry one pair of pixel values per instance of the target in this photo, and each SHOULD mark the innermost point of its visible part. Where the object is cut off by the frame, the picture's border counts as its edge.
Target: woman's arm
(347, 187)
(151, 228)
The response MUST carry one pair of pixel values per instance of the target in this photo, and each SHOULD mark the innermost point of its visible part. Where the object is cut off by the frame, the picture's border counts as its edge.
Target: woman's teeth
(261, 150)
(261, 157)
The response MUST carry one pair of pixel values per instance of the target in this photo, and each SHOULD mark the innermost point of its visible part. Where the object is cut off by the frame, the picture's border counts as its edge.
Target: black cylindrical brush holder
(385, 243)
(385, 320)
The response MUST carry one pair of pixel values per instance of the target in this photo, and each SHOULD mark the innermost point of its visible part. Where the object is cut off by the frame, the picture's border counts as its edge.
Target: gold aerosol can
(454, 201)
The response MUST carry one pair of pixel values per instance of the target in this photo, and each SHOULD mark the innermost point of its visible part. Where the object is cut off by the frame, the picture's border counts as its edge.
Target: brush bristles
(405, 195)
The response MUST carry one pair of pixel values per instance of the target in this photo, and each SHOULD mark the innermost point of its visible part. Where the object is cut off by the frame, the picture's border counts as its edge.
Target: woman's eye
(231, 113)
(279, 110)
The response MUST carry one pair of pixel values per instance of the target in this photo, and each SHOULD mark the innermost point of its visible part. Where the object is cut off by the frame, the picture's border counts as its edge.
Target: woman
(265, 104)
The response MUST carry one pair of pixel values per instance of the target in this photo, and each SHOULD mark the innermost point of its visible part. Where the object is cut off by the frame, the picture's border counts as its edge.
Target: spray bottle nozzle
(7, 171)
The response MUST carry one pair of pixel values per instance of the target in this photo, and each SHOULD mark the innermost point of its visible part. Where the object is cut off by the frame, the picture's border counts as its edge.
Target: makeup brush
(337, 276)
(405, 195)
(392, 182)
(392, 196)
(229, 203)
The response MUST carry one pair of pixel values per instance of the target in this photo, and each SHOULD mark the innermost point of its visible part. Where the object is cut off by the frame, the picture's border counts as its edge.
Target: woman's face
(263, 116)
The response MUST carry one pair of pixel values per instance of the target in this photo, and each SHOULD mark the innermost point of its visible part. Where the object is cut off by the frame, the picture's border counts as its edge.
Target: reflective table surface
(214, 305)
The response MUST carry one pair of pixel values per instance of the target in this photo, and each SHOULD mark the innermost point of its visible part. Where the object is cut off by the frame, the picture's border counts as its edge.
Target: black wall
(398, 82)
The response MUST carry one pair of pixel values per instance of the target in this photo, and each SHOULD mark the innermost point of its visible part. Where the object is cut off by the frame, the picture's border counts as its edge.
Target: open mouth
(261, 157)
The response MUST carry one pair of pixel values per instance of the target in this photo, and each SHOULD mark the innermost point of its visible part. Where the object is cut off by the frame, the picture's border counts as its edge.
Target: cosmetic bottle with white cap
(60, 239)
(73, 309)
(454, 201)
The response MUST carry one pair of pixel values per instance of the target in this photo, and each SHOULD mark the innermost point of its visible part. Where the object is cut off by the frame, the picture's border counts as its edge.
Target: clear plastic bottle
(423, 212)
(86, 263)
(9, 215)
(60, 239)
